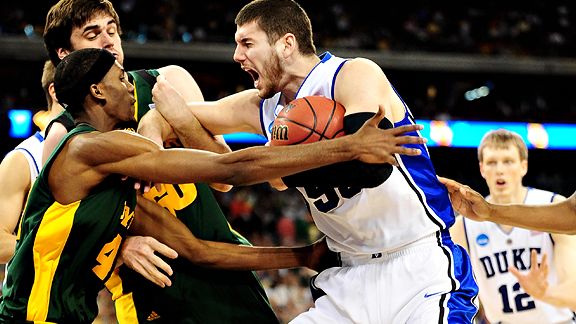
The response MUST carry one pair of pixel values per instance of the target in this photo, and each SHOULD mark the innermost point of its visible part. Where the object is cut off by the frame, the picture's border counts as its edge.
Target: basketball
(307, 120)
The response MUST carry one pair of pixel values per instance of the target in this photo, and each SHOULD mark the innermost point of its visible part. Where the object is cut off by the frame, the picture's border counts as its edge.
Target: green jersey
(65, 253)
(197, 295)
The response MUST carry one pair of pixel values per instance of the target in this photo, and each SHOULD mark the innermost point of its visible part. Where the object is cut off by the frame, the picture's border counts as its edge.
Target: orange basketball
(308, 119)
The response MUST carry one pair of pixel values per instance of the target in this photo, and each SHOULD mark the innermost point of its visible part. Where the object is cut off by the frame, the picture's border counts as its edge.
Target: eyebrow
(91, 27)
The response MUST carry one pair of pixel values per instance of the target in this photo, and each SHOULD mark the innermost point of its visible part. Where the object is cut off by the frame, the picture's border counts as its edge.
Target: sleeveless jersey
(209, 295)
(66, 252)
(409, 205)
(32, 150)
(492, 251)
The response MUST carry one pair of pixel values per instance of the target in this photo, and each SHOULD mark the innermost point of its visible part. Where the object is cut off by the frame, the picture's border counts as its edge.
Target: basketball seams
(334, 104)
(312, 131)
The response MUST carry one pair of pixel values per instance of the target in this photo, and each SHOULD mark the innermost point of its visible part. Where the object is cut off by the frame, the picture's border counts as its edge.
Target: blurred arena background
(491, 61)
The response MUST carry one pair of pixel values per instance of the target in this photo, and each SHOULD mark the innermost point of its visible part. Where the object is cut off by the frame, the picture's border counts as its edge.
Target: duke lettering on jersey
(500, 261)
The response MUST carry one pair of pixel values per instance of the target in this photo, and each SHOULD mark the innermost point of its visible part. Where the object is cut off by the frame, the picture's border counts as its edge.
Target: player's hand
(535, 281)
(138, 253)
(166, 98)
(321, 257)
(379, 145)
(466, 201)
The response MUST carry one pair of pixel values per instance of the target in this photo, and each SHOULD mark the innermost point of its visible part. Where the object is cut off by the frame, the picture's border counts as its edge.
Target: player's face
(257, 57)
(119, 94)
(503, 170)
(99, 32)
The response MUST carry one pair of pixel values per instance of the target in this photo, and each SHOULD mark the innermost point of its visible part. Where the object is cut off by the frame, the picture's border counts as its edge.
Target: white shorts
(428, 281)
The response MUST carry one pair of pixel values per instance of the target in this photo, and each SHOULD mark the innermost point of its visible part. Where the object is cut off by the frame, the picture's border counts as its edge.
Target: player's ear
(96, 91)
(62, 52)
(481, 169)
(524, 165)
(289, 44)
(52, 92)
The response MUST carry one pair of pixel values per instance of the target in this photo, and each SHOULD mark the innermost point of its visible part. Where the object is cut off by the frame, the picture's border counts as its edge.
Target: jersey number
(173, 197)
(522, 301)
(329, 198)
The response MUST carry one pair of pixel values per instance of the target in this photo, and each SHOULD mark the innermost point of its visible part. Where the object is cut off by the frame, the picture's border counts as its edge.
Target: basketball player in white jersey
(389, 224)
(502, 255)
(19, 169)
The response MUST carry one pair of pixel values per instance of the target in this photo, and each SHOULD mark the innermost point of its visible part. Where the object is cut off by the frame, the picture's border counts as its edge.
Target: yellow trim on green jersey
(50, 240)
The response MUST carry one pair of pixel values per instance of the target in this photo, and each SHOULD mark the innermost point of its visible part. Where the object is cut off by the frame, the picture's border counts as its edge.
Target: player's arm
(562, 294)
(239, 112)
(174, 87)
(119, 152)
(362, 88)
(535, 281)
(558, 217)
(155, 221)
(14, 187)
(57, 132)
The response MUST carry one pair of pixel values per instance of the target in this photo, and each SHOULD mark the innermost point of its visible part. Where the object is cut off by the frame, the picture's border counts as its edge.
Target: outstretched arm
(157, 222)
(558, 217)
(118, 152)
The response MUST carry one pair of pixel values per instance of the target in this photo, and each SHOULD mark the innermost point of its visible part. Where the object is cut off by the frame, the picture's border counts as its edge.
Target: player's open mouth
(500, 182)
(255, 76)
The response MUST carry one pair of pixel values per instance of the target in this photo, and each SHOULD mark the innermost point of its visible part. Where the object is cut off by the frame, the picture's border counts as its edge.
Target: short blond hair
(47, 80)
(502, 138)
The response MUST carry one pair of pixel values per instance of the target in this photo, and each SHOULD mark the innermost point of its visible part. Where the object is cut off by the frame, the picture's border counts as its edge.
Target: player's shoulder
(541, 196)
(360, 64)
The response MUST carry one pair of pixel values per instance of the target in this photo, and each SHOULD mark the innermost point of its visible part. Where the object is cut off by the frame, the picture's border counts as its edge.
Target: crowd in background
(492, 27)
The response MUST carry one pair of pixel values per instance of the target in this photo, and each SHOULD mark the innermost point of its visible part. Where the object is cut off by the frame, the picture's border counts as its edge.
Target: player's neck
(297, 73)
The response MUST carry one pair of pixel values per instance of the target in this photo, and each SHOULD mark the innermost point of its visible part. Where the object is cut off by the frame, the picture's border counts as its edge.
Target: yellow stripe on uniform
(123, 303)
(136, 98)
(50, 240)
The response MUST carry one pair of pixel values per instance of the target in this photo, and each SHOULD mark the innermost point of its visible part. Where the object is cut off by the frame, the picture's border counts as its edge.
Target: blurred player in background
(19, 170)
(514, 288)
(389, 224)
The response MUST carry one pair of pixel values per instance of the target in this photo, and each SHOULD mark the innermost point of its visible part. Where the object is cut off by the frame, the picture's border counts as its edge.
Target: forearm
(258, 164)
(153, 220)
(556, 218)
(192, 135)
(242, 167)
(561, 295)
(7, 247)
(239, 257)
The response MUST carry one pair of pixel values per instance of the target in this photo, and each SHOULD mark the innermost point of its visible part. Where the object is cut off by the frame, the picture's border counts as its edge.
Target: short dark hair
(278, 17)
(68, 14)
(76, 73)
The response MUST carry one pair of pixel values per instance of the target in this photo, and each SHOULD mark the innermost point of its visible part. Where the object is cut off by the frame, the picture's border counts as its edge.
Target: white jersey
(399, 227)
(408, 206)
(32, 149)
(492, 251)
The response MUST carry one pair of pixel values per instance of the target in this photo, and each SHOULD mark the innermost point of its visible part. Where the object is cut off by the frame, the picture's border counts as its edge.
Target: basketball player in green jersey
(79, 209)
(239, 297)
(210, 296)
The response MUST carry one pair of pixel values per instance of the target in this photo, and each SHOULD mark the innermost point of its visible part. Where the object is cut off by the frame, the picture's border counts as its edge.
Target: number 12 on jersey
(522, 301)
